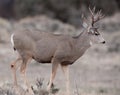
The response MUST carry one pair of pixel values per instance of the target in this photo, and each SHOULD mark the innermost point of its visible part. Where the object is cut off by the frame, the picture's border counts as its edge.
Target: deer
(58, 50)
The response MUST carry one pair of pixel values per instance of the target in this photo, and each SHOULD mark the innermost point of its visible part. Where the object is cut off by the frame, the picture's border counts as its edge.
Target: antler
(95, 17)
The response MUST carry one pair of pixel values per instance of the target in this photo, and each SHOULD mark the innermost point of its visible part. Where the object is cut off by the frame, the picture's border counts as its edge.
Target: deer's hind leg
(26, 60)
(14, 69)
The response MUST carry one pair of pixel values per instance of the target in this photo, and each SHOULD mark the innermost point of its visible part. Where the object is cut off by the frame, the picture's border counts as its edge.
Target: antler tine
(94, 9)
(91, 11)
(102, 16)
(95, 17)
(99, 16)
(99, 13)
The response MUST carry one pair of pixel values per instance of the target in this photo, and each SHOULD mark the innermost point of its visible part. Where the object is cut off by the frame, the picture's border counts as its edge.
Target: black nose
(103, 42)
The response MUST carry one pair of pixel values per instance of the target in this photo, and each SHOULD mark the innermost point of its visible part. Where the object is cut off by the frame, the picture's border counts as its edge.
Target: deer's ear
(84, 21)
(85, 25)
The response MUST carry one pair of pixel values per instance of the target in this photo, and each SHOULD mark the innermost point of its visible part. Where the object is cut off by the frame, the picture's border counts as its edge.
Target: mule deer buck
(61, 50)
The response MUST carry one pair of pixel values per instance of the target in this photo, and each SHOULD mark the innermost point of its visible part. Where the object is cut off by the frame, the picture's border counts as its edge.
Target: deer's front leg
(14, 68)
(54, 70)
(65, 70)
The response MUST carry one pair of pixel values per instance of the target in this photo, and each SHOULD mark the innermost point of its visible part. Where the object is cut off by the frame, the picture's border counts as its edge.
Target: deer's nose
(103, 42)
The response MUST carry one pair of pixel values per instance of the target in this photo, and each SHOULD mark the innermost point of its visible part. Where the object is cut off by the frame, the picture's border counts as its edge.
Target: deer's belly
(67, 63)
(43, 58)
(44, 61)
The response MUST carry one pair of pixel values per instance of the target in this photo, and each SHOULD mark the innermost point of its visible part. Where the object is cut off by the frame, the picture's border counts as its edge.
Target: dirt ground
(95, 73)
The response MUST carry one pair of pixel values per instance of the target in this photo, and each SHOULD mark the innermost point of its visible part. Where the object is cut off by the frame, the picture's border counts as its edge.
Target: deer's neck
(83, 42)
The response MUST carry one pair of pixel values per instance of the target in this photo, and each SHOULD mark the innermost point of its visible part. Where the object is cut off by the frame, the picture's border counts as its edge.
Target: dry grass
(38, 89)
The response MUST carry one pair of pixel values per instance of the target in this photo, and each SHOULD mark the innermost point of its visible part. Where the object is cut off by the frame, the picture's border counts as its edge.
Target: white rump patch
(12, 40)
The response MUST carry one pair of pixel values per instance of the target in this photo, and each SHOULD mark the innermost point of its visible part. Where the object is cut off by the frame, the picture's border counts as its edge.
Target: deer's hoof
(30, 91)
(48, 88)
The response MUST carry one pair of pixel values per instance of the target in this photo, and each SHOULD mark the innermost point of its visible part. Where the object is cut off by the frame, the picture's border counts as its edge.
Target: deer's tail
(12, 41)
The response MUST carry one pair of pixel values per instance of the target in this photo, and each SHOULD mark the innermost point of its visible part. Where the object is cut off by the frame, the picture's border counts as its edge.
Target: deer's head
(91, 29)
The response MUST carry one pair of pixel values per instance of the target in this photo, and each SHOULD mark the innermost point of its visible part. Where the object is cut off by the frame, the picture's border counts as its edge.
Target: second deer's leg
(14, 68)
(23, 72)
(65, 70)
(54, 70)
